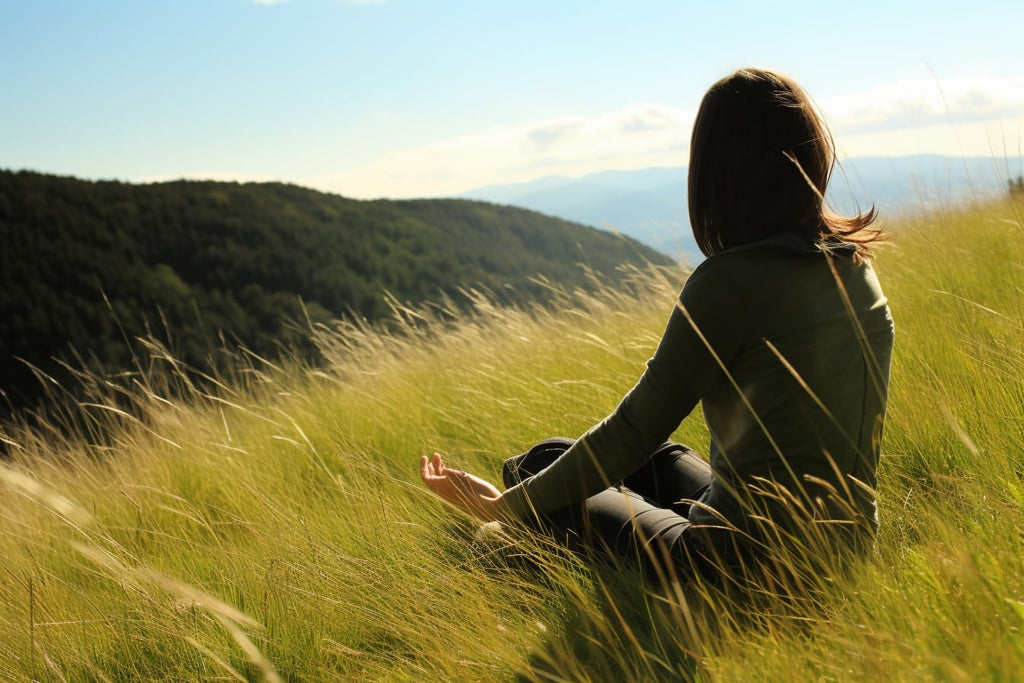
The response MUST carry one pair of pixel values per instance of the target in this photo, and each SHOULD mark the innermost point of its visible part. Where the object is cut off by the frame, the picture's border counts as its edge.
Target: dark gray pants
(644, 517)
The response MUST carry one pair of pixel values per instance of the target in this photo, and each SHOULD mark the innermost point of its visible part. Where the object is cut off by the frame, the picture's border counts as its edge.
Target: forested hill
(192, 260)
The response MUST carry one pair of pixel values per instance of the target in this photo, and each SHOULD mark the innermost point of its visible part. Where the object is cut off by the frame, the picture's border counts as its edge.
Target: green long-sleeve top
(788, 348)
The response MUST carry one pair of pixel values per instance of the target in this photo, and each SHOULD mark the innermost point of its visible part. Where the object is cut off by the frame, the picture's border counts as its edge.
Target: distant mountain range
(650, 204)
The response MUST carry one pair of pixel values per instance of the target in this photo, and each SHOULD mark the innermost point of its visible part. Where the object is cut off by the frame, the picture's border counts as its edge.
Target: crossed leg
(643, 517)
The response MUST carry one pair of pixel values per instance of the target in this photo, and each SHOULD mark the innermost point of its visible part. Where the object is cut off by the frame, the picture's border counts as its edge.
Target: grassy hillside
(87, 265)
(275, 528)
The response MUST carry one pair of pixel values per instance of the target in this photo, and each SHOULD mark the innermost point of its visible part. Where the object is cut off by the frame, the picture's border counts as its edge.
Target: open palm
(467, 491)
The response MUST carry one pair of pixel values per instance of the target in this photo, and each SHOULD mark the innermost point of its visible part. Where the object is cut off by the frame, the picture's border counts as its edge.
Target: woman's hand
(464, 490)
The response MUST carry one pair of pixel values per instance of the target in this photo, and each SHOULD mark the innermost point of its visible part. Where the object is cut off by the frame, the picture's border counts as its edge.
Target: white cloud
(915, 104)
(970, 117)
(635, 137)
(966, 116)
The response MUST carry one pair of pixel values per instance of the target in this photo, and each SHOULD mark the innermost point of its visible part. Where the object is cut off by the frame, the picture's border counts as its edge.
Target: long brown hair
(760, 160)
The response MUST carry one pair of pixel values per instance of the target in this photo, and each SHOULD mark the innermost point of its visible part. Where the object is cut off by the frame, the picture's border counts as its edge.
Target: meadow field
(269, 524)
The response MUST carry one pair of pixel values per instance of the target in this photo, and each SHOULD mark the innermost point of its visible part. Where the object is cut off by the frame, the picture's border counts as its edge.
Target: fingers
(442, 470)
(454, 485)
(459, 488)
(433, 470)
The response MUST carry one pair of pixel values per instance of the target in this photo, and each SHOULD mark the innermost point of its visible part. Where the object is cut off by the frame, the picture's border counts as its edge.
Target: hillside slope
(87, 264)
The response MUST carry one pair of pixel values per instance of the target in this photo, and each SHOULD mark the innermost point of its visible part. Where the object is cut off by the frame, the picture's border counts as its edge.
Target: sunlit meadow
(269, 524)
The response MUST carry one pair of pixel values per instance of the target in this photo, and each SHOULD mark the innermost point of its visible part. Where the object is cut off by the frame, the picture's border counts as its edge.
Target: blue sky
(419, 97)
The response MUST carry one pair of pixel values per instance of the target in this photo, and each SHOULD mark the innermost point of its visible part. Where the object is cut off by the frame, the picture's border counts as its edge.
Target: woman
(784, 336)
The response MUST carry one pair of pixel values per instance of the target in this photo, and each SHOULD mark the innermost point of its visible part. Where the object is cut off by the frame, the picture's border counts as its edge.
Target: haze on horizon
(394, 98)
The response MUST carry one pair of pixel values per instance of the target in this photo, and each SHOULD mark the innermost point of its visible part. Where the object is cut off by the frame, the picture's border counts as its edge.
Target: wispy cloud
(978, 116)
(634, 137)
(916, 104)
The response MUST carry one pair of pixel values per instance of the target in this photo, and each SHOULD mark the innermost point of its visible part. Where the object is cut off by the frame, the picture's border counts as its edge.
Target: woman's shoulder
(751, 261)
(782, 250)
(784, 263)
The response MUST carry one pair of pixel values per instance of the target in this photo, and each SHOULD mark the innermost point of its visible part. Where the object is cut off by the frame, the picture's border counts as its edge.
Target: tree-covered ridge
(85, 265)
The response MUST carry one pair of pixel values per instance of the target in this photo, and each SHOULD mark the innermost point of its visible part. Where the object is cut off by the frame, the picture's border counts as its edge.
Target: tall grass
(270, 524)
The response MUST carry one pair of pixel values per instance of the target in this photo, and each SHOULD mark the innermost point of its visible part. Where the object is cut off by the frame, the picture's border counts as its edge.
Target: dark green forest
(89, 267)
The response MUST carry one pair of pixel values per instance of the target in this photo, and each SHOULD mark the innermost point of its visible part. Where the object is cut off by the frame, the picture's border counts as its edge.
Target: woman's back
(803, 340)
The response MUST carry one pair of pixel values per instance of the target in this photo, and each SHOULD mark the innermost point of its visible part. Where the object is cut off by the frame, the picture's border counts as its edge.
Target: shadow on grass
(622, 633)
(615, 622)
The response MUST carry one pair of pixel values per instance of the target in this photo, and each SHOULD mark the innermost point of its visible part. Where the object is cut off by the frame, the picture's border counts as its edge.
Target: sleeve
(700, 339)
